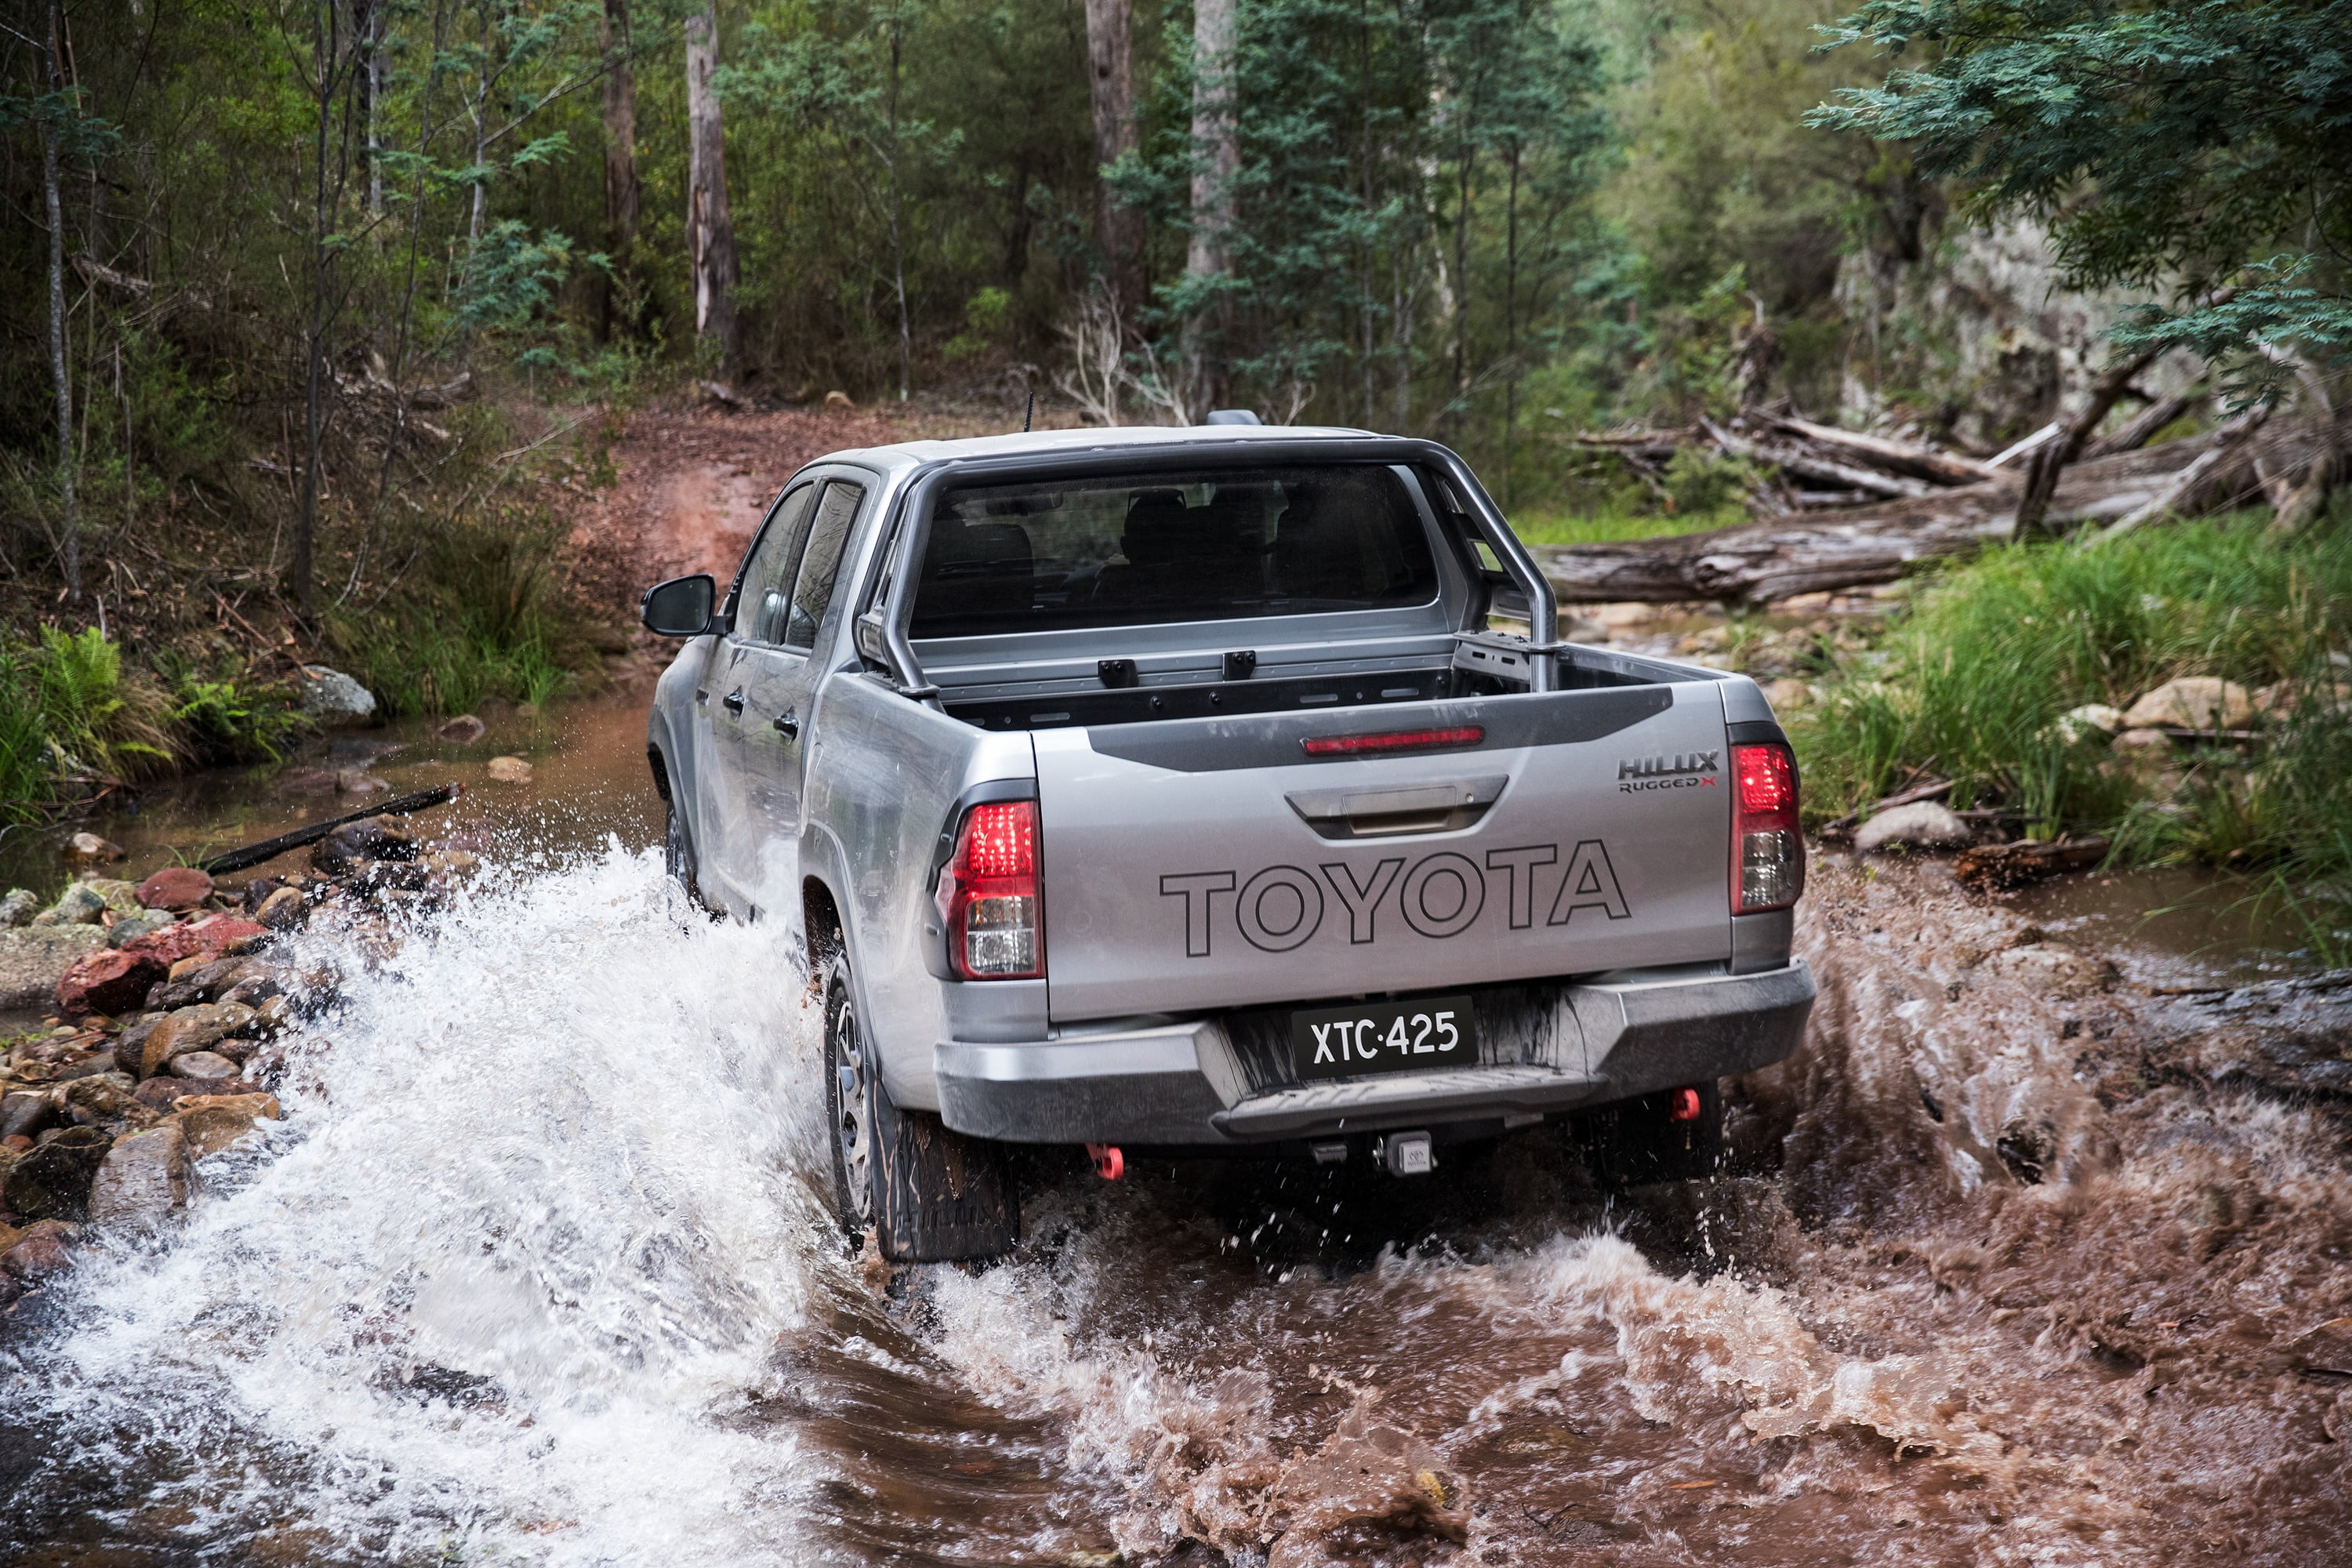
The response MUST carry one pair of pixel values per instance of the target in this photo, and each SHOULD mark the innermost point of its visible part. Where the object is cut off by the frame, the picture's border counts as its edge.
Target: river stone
(32, 962)
(176, 888)
(106, 1096)
(52, 1181)
(214, 1124)
(122, 933)
(20, 907)
(356, 843)
(121, 896)
(510, 770)
(283, 910)
(332, 697)
(464, 729)
(39, 1254)
(358, 781)
(144, 1178)
(1922, 824)
(80, 905)
(205, 1067)
(197, 1028)
(112, 982)
(210, 936)
(24, 1113)
(2193, 702)
(89, 849)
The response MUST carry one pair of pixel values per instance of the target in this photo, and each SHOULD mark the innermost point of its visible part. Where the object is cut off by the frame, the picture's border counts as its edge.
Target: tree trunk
(2052, 457)
(897, 232)
(60, 371)
(620, 160)
(326, 51)
(1118, 227)
(709, 231)
(1216, 153)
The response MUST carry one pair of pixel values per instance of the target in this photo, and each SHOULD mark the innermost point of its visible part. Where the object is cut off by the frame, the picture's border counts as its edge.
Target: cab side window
(813, 591)
(763, 603)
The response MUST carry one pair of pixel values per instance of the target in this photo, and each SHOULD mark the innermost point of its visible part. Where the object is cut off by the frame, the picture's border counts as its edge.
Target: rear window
(1216, 545)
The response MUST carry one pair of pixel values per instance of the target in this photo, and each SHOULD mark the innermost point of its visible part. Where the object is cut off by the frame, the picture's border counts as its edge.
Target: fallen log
(1991, 867)
(270, 848)
(1791, 458)
(1894, 457)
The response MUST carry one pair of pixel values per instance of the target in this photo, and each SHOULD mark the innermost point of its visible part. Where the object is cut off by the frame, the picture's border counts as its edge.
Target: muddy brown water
(537, 1271)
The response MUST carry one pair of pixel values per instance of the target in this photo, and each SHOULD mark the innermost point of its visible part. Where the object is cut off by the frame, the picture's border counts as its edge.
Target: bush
(71, 716)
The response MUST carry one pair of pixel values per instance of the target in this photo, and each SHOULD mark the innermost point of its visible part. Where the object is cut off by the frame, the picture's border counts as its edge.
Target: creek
(538, 1269)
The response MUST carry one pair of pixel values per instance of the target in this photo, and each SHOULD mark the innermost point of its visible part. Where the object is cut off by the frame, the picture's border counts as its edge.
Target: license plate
(1384, 1037)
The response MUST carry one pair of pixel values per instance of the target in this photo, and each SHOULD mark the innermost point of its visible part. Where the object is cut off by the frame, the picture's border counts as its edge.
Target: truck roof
(1057, 443)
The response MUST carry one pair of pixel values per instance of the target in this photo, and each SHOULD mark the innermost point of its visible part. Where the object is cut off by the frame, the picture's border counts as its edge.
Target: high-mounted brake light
(1393, 740)
(989, 899)
(1768, 846)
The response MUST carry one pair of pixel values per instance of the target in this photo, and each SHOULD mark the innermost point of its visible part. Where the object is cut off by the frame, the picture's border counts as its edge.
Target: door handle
(734, 702)
(788, 724)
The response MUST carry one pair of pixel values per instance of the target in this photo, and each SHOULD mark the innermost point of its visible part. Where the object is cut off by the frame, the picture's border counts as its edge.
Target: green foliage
(223, 719)
(1703, 483)
(511, 276)
(1972, 680)
(2174, 145)
(1609, 525)
(70, 717)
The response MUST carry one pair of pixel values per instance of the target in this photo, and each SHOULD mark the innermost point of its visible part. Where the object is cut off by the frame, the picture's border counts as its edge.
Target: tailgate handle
(1383, 812)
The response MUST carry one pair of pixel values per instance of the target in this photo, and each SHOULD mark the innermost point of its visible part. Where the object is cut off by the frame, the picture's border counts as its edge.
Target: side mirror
(680, 607)
(871, 644)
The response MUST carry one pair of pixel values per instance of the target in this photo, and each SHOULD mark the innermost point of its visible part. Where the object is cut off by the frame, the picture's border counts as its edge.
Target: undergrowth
(1613, 522)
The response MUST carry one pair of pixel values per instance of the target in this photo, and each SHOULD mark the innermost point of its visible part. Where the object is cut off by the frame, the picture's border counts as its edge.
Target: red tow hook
(1109, 1164)
(1684, 1105)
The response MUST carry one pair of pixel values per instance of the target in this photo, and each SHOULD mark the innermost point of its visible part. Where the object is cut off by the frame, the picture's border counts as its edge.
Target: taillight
(1768, 847)
(988, 898)
(1389, 742)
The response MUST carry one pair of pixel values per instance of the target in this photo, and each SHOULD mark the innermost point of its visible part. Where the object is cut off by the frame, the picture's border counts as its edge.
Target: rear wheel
(1640, 1143)
(927, 1193)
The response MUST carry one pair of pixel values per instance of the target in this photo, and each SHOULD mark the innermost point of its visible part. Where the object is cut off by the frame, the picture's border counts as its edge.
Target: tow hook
(1109, 1164)
(1684, 1105)
(1406, 1154)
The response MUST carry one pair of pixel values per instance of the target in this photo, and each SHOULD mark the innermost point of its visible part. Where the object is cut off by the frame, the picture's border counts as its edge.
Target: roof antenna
(1032, 415)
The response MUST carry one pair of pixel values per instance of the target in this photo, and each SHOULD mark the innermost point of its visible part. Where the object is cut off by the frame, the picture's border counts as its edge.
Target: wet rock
(308, 780)
(360, 782)
(2193, 702)
(32, 960)
(81, 904)
(144, 1178)
(464, 729)
(197, 1028)
(26, 1112)
(176, 888)
(214, 934)
(112, 982)
(42, 1252)
(216, 1122)
(356, 843)
(122, 933)
(1922, 824)
(2288, 1038)
(2089, 721)
(510, 770)
(205, 1067)
(20, 907)
(52, 1181)
(332, 697)
(89, 849)
(163, 1093)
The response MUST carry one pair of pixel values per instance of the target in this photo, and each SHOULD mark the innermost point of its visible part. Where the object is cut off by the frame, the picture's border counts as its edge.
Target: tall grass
(1608, 524)
(70, 717)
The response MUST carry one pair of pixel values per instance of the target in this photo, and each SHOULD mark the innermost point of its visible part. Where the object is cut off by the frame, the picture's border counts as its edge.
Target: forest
(321, 316)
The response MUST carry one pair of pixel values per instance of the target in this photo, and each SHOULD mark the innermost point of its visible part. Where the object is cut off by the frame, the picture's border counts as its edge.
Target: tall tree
(61, 371)
(336, 56)
(710, 231)
(1110, 78)
(1216, 162)
(620, 156)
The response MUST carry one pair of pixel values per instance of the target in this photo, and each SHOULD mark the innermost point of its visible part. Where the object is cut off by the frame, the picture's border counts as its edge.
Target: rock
(1787, 696)
(89, 849)
(2092, 718)
(53, 1181)
(453, 862)
(32, 962)
(2141, 741)
(124, 933)
(39, 1254)
(112, 982)
(176, 888)
(308, 780)
(510, 770)
(121, 897)
(144, 1178)
(163, 1093)
(80, 905)
(20, 907)
(215, 1122)
(26, 1112)
(332, 697)
(2193, 702)
(360, 782)
(838, 399)
(205, 1067)
(189, 1029)
(464, 729)
(106, 1096)
(1922, 824)
(283, 910)
(348, 847)
(213, 934)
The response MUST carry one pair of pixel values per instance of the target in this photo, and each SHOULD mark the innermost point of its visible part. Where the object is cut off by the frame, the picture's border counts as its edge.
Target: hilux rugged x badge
(1683, 770)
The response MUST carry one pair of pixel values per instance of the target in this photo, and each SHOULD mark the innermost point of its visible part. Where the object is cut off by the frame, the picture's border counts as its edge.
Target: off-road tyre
(1637, 1142)
(929, 1195)
(678, 857)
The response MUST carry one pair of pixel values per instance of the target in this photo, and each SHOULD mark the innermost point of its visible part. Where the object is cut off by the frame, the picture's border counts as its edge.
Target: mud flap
(938, 1197)
(1638, 1143)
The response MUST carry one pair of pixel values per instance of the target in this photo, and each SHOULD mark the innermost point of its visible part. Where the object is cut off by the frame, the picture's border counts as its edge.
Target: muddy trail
(2016, 1263)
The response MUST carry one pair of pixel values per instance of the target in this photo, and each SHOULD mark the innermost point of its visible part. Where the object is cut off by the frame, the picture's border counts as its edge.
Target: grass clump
(72, 717)
(1615, 522)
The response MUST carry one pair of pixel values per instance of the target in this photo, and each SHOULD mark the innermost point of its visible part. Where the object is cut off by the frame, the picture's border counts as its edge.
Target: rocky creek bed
(493, 1231)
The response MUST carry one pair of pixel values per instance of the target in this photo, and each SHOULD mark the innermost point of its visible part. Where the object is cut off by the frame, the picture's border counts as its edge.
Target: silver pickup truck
(1216, 790)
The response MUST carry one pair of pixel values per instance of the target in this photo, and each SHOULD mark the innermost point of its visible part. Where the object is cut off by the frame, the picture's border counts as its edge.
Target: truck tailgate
(1213, 863)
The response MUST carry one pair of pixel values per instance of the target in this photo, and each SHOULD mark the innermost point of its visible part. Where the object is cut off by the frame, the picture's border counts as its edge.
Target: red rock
(176, 888)
(111, 981)
(39, 1256)
(159, 1093)
(190, 938)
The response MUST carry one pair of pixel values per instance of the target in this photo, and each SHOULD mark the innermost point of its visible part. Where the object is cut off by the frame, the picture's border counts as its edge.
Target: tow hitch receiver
(1407, 1154)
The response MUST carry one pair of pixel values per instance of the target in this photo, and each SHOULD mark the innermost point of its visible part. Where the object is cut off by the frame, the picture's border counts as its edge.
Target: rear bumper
(1182, 1084)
